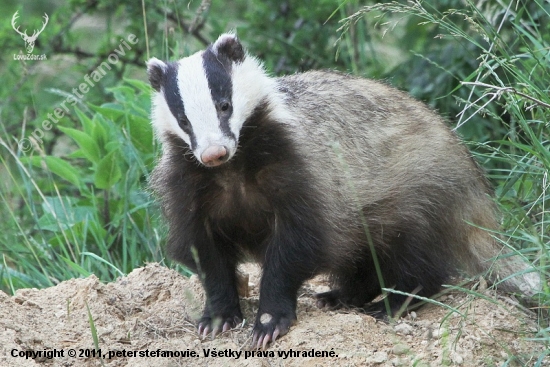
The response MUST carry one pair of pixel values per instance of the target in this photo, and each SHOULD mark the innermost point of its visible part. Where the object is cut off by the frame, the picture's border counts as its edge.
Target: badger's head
(205, 98)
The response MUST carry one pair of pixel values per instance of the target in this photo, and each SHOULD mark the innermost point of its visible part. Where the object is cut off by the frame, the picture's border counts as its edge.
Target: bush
(88, 212)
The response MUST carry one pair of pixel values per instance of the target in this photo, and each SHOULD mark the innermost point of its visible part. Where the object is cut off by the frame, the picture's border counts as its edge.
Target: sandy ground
(154, 308)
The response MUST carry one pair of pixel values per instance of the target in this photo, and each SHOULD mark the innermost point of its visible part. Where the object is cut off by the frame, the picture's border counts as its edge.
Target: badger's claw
(216, 325)
(269, 331)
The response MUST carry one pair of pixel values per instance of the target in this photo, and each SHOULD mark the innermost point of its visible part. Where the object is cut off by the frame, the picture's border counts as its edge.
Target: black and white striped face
(206, 97)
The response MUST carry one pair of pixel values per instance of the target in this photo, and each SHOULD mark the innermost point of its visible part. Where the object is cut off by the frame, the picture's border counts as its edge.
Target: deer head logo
(29, 40)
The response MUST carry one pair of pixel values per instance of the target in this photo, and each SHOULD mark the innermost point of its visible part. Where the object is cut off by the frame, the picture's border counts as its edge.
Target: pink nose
(214, 155)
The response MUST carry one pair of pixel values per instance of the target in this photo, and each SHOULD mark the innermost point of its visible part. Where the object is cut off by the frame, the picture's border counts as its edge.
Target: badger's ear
(228, 45)
(156, 69)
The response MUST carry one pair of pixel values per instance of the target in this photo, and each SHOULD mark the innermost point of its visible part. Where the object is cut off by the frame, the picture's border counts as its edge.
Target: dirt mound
(151, 312)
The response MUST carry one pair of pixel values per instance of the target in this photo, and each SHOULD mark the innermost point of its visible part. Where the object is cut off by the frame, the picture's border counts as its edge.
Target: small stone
(482, 284)
(440, 333)
(456, 358)
(379, 357)
(400, 349)
(397, 362)
(403, 328)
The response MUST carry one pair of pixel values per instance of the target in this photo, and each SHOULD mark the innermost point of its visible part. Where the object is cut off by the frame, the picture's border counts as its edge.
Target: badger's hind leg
(406, 266)
(353, 286)
(412, 268)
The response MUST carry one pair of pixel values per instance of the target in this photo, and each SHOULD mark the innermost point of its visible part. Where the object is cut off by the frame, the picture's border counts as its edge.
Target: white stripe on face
(199, 107)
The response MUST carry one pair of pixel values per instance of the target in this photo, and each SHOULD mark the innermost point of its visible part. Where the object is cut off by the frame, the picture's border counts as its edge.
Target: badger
(314, 173)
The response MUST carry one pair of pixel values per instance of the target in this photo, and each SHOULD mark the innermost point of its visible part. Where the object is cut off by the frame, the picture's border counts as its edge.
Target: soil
(155, 308)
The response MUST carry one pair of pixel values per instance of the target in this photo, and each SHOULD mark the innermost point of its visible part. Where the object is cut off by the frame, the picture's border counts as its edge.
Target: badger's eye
(224, 106)
(183, 121)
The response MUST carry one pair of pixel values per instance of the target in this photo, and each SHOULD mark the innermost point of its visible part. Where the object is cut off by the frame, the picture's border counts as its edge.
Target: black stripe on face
(174, 101)
(218, 74)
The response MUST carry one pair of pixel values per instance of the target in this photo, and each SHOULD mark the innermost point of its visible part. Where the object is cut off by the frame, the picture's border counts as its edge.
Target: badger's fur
(302, 173)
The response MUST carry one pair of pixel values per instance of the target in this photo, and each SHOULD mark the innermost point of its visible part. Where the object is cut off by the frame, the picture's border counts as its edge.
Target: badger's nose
(214, 155)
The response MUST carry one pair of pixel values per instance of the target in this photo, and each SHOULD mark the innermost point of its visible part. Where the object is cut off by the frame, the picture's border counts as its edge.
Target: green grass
(86, 214)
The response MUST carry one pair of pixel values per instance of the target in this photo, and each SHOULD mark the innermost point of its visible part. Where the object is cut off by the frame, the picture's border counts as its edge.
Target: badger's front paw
(269, 327)
(217, 324)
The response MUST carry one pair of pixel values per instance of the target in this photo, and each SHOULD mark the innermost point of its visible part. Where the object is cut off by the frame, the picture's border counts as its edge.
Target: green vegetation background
(77, 202)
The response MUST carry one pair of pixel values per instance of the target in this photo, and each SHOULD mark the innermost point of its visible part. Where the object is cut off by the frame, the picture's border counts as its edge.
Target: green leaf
(112, 146)
(76, 268)
(63, 169)
(36, 161)
(99, 132)
(102, 260)
(85, 142)
(141, 133)
(108, 171)
(111, 111)
(140, 85)
(86, 122)
(93, 329)
(55, 165)
(61, 213)
(122, 93)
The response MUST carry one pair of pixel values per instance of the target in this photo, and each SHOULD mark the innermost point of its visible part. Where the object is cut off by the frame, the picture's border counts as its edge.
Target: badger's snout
(215, 155)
